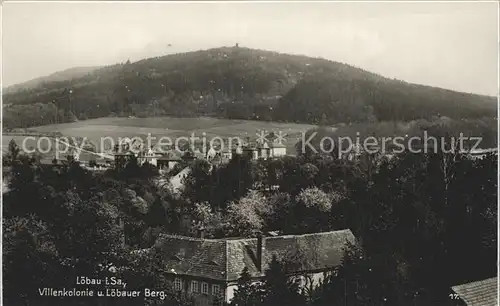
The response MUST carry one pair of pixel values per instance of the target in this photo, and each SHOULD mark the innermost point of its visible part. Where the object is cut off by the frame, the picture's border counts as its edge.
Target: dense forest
(235, 83)
(425, 222)
(415, 134)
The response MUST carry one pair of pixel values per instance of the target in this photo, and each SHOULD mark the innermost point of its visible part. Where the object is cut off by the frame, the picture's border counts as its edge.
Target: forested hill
(67, 74)
(237, 83)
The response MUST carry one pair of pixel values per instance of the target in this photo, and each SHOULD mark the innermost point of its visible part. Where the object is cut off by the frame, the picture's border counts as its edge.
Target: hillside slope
(332, 98)
(238, 83)
(67, 74)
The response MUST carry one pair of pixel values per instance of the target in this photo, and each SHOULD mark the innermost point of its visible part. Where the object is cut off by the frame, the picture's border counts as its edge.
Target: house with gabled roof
(277, 149)
(209, 269)
(148, 156)
(263, 150)
(478, 293)
(167, 160)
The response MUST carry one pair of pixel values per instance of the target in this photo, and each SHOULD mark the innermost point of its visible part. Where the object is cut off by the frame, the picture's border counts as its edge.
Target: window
(178, 284)
(204, 288)
(194, 287)
(215, 290)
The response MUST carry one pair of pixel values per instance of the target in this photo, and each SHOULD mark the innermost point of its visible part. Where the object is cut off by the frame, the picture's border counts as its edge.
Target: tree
(279, 288)
(308, 173)
(314, 198)
(198, 183)
(29, 259)
(63, 222)
(246, 216)
(363, 279)
(156, 214)
(234, 180)
(12, 153)
(65, 239)
(148, 171)
(280, 206)
(247, 293)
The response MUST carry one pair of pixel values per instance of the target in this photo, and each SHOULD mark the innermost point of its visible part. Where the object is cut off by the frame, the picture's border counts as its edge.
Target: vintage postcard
(250, 153)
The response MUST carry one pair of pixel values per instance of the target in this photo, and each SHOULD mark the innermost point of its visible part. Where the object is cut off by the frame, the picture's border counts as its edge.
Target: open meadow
(96, 129)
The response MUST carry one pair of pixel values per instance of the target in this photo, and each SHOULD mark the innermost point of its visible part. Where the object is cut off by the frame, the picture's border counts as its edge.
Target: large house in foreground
(209, 269)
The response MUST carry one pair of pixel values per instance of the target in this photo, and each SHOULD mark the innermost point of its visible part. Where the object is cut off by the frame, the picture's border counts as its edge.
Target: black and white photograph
(249, 153)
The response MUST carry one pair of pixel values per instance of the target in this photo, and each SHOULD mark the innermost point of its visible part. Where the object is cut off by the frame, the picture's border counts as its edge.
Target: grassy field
(46, 148)
(29, 143)
(94, 130)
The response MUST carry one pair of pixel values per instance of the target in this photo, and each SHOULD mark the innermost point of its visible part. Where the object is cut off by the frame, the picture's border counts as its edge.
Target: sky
(449, 45)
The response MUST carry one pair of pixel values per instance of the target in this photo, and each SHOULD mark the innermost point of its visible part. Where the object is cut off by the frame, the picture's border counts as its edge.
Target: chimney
(261, 248)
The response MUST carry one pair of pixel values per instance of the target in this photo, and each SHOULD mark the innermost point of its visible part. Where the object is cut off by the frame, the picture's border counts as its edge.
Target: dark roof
(262, 145)
(479, 293)
(170, 156)
(148, 157)
(86, 156)
(224, 259)
(249, 148)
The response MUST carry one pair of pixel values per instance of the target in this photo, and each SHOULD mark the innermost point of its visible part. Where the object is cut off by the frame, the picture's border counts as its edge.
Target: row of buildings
(167, 160)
